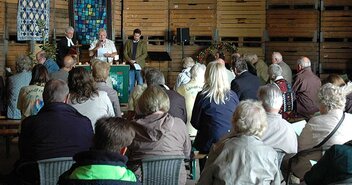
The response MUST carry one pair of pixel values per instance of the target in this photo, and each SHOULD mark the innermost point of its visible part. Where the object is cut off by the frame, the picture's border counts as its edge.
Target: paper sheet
(101, 52)
(298, 126)
(312, 162)
(137, 67)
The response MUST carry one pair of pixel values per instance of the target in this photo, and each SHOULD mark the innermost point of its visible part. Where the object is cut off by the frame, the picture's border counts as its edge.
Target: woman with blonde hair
(213, 108)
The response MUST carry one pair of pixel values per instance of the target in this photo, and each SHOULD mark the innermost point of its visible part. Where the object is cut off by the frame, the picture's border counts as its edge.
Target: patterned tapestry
(28, 14)
(89, 17)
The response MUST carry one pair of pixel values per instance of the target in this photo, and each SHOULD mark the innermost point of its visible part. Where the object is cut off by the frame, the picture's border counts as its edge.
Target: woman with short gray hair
(242, 158)
(332, 104)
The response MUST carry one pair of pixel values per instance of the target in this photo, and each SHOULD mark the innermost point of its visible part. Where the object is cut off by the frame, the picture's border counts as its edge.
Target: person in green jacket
(135, 52)
(105, 163)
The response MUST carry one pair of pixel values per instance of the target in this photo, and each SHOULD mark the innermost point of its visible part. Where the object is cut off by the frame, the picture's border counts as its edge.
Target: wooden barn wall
(319, 29)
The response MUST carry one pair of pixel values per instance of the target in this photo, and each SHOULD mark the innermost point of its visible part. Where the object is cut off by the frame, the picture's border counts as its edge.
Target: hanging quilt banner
(29, 15)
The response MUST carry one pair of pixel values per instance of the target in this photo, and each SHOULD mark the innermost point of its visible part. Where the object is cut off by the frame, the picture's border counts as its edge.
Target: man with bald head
(62, 74)
(286, 70)
(306, 88)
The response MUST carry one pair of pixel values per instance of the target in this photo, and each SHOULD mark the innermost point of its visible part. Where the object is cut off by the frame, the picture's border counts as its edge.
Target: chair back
(161, 170)
(51, 169)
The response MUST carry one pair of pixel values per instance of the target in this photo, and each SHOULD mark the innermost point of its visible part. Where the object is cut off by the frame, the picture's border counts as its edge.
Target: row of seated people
(215, 94)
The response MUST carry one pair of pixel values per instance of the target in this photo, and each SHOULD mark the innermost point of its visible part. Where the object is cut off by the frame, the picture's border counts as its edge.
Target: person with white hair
(332, 101)
(279, 135)
(260, 66)
(275, 74)
(185, 75)
(286, 70)
(190, 91)
(65, 45)
(242, 158)
(306, 88)
(103, 48)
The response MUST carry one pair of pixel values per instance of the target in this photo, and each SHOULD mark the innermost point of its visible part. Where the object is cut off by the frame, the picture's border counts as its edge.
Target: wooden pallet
(2, 17)
(193, 4)
(176, 55)
(335, 57)
(254, 50)
(291, 51)
(336, 4)
(61, 21)
(293, 4)
(241, 18)
(151, 22)
(292, 23)
(15, 49)
(145, 4)
(11, 17)
(245, 41)
(117, 17)
(336, 24)
(2, 59)
(200, 22)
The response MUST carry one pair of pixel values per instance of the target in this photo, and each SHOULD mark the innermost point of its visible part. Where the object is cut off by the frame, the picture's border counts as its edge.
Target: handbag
(300, 163)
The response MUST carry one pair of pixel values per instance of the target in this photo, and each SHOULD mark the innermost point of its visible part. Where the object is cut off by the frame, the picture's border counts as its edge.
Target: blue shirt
(16, 82)
(212, 120)
(51, 65)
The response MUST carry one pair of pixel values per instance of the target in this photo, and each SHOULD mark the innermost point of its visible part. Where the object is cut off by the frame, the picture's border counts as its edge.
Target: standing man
(103, 48)
(64, 45)
(286, 70)
(306, 88)
(135, 53)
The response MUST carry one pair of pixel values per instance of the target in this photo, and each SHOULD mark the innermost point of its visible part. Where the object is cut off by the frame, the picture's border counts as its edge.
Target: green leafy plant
(49, 48)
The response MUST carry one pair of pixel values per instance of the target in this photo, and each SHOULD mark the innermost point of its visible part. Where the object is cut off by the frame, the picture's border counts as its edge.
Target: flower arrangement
(229, 47)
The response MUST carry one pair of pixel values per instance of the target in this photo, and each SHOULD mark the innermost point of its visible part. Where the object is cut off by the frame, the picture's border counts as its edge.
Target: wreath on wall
(229, 47)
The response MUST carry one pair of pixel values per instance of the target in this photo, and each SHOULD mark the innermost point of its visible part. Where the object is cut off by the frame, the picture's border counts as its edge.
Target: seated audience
(15, 83)
(212, 109)
(86, 98)
(157, 132)
(333, 168)
(105, 163)
(260, 66)
(101, 71)
(286, 70)
(58, 130)
(275, 74)
(306, 89)
(30, 99)
(279, 134)
(62, 74)
(245, 85)
(241, 157)
(185, 75)
(332, 103)
(177, 102)
(49, 63)
(190, 90)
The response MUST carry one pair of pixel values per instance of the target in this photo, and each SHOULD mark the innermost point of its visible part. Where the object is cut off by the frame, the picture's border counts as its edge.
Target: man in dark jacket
(245, 84)
(106, 163)
(58, 130)
(65, 45)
